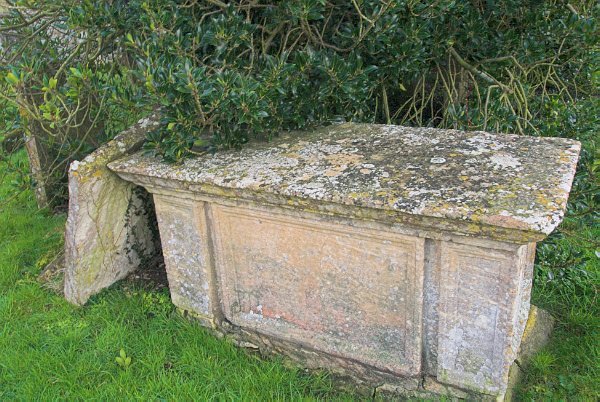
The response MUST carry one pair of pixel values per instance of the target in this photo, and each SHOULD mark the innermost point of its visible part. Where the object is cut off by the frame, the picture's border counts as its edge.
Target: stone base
(354, 377)
(351, 290)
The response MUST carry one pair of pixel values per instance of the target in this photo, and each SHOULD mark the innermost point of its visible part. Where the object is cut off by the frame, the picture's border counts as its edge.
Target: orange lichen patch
(335, 171)
(291, 155)
(342, 159)
(506, 221)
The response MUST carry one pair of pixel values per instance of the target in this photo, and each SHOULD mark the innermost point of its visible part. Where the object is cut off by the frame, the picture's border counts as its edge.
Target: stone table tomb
(402, 257)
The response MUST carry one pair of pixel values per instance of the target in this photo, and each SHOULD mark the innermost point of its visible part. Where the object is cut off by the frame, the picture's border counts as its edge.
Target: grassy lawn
(52, 350)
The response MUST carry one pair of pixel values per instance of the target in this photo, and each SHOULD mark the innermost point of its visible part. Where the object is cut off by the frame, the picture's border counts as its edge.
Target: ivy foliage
(227, 72)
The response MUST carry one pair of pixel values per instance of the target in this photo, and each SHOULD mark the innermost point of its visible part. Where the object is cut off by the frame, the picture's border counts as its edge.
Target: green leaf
(76, 72)
(123, 354)
(52, 83)
(12, 79)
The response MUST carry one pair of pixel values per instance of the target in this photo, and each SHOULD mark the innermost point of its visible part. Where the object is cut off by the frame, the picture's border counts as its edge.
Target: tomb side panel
(481, 292)
(186, 249)
(346, 291)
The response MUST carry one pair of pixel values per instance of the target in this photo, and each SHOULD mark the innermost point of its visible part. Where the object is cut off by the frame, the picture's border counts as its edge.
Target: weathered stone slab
(401, 257)
(350, 292)
(479, 314)
(108, 231)
(185, 245)
(473, 182)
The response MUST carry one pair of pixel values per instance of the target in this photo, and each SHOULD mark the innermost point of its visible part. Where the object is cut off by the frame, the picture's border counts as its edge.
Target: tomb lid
(475, 178)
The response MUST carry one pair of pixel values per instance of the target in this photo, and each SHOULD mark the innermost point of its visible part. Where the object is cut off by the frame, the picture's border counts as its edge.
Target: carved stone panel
(478, 315)
(184, 237)
(343, 290)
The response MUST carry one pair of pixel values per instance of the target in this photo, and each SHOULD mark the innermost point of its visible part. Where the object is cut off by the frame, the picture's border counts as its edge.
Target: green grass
(52, 350)
(569, 366)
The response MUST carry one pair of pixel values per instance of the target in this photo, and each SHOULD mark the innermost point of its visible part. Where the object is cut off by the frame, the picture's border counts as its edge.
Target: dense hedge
(229, 72)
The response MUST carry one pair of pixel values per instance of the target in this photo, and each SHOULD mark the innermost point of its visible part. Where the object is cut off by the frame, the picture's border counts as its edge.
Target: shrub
(229, 72)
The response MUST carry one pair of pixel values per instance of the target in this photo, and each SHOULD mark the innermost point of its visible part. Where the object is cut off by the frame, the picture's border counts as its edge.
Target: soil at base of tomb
(152, 276)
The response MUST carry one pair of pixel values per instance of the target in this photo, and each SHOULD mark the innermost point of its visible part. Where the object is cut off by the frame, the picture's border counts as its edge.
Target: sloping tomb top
(509, 181)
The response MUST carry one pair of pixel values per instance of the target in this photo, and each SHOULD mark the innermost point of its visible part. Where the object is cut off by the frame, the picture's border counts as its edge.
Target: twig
(481, 74)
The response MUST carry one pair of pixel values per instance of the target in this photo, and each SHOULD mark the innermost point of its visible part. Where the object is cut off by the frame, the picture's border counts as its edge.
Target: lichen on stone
(507, 181)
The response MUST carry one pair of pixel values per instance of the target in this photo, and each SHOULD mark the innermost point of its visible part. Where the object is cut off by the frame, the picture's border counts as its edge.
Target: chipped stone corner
(110, 227)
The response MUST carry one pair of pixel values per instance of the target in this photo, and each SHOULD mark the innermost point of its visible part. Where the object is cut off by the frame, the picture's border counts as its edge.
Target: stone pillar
(37, 160)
